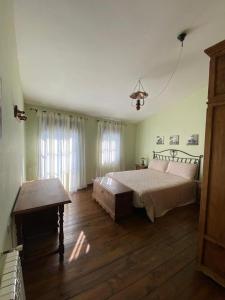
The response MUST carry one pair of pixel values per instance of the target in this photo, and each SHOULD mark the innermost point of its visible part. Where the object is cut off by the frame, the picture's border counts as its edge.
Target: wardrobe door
(217, 77)
(212, 212)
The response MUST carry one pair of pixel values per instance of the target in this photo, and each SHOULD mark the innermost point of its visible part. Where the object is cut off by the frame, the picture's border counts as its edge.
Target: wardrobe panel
(214, 258)
(211, 255)
(216, 187)
(220, 76)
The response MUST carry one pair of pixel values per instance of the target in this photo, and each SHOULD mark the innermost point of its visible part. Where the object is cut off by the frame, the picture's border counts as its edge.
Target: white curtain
(110, 147)
(61, 149)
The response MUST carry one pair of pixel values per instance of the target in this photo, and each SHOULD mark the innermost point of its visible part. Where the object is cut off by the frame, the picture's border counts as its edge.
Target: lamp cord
(171, 75)
(139, 84)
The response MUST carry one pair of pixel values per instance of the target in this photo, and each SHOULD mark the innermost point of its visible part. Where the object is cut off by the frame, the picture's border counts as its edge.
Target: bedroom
(154, 228)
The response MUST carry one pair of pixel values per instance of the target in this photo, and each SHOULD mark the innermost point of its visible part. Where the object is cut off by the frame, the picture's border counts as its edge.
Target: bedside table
(139, 167)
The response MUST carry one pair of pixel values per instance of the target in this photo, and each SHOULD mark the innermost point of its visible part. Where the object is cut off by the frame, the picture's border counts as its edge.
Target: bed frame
(174, 155)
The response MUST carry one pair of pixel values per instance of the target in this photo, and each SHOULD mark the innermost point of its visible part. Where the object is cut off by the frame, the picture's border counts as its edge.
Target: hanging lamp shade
(139, 95)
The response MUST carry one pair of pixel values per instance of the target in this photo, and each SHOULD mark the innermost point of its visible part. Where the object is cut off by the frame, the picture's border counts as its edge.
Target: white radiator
(11, 277)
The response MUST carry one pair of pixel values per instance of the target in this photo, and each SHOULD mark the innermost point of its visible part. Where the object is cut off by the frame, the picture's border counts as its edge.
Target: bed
(159, 189)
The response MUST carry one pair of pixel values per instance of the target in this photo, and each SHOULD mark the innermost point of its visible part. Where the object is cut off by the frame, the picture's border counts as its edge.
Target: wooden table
(41, 195)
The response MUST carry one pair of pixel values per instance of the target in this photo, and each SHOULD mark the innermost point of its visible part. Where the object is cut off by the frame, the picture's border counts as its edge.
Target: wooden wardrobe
(212, 210)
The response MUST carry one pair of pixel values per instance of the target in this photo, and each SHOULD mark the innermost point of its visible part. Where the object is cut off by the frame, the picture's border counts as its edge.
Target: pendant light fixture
(139, 94)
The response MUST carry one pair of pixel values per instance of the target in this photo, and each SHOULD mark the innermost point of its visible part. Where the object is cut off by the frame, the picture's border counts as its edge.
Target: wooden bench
(115, 198)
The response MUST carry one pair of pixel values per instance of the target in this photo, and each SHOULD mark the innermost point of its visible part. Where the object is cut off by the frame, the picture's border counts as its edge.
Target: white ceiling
(86, 55)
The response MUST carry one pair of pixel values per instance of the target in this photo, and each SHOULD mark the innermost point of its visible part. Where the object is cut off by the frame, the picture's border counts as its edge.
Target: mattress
(157, 191)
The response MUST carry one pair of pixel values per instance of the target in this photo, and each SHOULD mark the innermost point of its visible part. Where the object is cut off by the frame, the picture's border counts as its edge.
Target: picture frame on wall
(193, 139)
(174, 140)
(159, 140)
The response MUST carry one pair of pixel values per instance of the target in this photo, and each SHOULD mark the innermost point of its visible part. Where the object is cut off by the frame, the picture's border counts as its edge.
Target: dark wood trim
(27, 211)
(61, 233)
(216, 50)
(213, 275)
(215, 104)
(203, 202)
(212, 240)
(211, 252)
(211, 87)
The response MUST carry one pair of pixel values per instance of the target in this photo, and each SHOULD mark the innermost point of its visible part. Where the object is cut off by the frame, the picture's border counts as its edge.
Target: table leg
(61, 234)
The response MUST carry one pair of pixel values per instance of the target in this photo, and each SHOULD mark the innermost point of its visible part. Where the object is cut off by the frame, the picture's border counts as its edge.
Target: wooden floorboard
(134, 259)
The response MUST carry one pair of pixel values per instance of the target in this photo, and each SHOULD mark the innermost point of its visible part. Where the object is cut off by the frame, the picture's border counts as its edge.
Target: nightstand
(139, 167)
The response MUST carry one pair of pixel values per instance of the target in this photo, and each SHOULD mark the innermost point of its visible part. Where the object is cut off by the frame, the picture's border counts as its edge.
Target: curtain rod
(36, 110)
(112, 121)
(82, 117)
(99, 120)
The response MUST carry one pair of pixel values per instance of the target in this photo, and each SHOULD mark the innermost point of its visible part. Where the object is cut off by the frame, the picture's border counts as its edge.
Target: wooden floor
(131, 260)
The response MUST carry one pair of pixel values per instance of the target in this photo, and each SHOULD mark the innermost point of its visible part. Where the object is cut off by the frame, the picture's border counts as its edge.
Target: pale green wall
(186, 118)
(12, 141)
(31, 132)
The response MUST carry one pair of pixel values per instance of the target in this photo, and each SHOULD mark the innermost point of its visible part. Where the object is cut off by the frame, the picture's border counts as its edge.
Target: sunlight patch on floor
(81, 241)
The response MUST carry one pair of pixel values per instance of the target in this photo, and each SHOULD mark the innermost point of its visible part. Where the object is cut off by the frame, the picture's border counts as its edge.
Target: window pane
(110, 148)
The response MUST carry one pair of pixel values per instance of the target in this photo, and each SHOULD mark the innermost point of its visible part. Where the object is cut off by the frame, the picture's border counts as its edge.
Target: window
(61, 149)
(109, 147)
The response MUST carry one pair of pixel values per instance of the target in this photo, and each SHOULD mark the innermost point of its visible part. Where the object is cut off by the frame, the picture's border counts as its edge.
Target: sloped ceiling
(86, 55)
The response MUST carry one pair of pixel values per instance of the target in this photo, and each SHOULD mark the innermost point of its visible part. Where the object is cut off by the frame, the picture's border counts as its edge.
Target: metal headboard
(174, 155)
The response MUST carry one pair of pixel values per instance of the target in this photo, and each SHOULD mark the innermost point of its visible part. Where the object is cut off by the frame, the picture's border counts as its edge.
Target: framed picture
(159, 140)
(0, 108)
(193, 139)
(174, 140)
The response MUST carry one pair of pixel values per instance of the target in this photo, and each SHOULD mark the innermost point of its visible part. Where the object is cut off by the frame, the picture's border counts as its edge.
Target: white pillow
(182, 169)
(159, 165)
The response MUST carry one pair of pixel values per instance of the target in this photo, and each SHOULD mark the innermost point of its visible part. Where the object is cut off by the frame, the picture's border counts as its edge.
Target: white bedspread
(158, 192)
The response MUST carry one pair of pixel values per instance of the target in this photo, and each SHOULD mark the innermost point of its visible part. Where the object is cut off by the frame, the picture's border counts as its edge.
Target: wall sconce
(19, 114)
